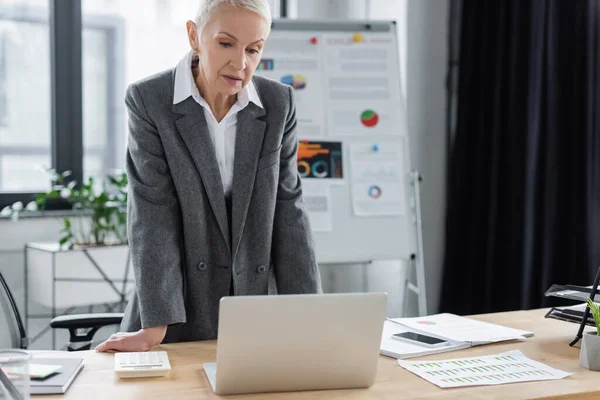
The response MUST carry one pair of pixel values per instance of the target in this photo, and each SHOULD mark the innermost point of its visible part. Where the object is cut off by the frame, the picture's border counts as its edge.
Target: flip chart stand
(416, 261)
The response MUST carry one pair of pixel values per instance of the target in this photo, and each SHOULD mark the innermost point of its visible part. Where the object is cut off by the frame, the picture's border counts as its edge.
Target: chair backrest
(12, 331)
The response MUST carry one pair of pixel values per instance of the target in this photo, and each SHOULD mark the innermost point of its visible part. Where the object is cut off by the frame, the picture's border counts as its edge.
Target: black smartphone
(419, 339)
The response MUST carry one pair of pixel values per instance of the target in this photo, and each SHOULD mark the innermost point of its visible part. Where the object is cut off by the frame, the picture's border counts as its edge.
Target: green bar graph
(493, 370)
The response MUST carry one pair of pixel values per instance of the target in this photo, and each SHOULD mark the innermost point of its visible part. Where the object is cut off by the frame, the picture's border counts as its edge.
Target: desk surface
(188, 381)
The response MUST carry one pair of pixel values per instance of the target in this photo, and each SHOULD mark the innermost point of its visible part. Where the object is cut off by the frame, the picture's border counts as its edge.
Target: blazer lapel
(194, 131)
(248, 143)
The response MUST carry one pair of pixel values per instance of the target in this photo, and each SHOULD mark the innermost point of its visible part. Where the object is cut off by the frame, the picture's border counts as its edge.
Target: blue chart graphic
(296, 81)
(374, 192)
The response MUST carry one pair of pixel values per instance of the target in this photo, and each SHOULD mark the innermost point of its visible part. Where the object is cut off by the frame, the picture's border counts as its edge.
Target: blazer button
(261, 269)
(202, 266)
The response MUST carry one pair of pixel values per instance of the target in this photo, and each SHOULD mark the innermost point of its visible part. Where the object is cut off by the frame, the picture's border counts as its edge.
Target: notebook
(59, 381)
(460, 332)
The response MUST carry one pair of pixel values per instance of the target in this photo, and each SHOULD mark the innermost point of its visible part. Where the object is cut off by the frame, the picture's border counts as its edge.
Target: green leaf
(595, 310)
(105, 198)
(66, 239)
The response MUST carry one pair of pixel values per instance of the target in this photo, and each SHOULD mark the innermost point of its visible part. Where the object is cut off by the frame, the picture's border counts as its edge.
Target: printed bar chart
(509, 367)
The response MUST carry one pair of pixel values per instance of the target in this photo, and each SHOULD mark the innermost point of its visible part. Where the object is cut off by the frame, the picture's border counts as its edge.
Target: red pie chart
(369, 118)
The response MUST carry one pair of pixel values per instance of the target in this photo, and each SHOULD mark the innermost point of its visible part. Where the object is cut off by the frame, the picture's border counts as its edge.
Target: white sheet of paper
(317, 197)
(462, 329)
(291, 58)
(377, 179)
(362, 83)
(509, 367)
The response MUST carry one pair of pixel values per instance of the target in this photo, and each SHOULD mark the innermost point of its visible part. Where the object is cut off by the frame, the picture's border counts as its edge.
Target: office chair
(82, 327)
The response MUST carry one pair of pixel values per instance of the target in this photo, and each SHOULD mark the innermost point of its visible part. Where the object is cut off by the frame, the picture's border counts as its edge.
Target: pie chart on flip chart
(374, 192)
(296, 81)
(369, 118)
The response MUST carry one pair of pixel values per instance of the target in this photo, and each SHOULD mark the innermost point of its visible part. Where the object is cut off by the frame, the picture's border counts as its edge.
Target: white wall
(328, 9)
(13, 236)
(426, 55)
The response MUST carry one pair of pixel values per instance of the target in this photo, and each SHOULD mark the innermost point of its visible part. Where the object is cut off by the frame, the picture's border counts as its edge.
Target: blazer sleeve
(294, 261)
(154, 221)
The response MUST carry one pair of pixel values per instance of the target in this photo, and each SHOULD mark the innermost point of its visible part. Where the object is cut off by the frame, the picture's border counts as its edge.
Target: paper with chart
(462, 329)
(296, 59)
(377, 179)
(317, 197)
(320, 161)
(509, 367)
(362, 84)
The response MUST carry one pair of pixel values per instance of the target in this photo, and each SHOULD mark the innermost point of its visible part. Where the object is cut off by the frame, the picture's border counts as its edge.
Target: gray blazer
(184, 257)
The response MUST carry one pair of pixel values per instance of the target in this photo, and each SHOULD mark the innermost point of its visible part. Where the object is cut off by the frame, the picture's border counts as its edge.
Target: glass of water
(14, 374)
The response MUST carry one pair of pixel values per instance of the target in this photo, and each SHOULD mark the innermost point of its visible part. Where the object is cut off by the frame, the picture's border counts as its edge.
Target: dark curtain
(523, 208)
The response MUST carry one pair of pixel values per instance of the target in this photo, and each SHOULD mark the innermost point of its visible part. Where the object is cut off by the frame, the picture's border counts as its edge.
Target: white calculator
(142, 364)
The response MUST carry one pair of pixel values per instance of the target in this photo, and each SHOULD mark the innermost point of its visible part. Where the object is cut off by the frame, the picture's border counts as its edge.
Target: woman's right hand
(142, 340)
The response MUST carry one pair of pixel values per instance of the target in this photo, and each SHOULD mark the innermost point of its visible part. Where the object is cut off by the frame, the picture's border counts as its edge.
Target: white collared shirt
(222, 133)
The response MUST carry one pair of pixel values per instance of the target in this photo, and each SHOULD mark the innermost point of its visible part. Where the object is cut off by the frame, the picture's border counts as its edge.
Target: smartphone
(419, 339)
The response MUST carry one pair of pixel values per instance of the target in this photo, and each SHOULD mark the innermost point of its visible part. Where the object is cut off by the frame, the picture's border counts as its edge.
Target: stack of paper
(460, 332)
(509, 367)
(461, 329)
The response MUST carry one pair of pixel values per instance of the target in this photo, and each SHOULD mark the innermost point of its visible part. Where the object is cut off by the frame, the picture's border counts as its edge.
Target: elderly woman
(215, 206)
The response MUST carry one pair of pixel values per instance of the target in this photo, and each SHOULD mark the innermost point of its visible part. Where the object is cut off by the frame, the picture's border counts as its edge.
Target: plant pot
(589, 357)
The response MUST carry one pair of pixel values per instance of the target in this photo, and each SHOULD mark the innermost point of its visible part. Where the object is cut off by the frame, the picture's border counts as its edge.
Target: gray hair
(208, 7)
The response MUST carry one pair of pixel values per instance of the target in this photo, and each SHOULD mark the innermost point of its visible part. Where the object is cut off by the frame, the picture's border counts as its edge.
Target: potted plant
(99, 209)
(590, 347)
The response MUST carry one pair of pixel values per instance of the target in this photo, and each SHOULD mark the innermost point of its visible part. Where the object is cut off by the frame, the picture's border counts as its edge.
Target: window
(103, 92)
(26, 138)
(24, 95)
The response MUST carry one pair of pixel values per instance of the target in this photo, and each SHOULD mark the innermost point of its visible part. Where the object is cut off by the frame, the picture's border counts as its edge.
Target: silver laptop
(297, 342)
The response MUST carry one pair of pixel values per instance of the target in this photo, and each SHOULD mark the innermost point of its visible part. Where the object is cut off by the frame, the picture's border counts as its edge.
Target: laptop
(297, 342)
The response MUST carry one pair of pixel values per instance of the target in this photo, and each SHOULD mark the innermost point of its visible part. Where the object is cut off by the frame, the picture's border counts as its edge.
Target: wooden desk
(188, 381)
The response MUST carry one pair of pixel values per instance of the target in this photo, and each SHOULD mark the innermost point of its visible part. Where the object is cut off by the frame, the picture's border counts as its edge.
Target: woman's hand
(142, 340)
